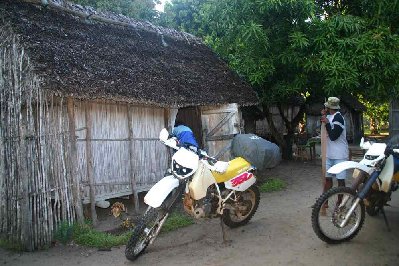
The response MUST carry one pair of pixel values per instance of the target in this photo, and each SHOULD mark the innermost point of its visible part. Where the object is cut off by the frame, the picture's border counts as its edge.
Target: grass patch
(85, 235)
(272, 184)
(176, 220)
(6, 244)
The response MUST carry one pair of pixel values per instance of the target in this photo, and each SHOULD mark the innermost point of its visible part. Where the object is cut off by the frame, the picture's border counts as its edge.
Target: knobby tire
(316, 215)
(226, 213)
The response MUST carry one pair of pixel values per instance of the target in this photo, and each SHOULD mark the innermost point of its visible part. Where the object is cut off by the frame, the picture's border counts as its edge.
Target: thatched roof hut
(83, 96)
(121, 60)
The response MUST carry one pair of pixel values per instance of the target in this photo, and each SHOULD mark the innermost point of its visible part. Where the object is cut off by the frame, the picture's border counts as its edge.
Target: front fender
(339, 167)
(160, 191)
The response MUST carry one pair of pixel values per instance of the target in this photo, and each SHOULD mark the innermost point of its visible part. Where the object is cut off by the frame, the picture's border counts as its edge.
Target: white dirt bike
(209, 188)
(376, 177)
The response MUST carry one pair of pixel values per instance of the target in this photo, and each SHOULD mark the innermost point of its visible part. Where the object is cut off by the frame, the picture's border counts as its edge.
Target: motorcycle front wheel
(243, 206)
(144, 232)
(328, 213)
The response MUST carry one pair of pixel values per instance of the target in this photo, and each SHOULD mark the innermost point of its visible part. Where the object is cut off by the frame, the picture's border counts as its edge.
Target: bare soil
(279, 234)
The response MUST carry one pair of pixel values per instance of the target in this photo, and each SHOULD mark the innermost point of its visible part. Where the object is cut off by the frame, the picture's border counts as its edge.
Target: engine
(202, 208)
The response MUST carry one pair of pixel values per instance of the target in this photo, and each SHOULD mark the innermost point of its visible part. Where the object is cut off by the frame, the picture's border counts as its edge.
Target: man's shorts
(332, 162)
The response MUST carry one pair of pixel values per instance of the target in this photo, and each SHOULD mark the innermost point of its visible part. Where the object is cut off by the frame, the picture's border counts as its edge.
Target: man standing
(337, 145)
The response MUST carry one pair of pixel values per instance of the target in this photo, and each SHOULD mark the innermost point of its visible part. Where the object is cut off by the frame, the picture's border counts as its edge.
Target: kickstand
(224, 233)
(385, 219)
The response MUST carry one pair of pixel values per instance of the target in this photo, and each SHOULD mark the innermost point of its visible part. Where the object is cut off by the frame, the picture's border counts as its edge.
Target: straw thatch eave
(140, 64)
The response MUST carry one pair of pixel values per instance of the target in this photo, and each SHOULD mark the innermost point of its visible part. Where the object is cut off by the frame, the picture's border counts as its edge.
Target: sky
(160, 6)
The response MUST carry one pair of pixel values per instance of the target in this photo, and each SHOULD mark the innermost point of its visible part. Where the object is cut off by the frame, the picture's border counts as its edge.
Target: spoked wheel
(145, 232)
(329, 211)
(242, 207)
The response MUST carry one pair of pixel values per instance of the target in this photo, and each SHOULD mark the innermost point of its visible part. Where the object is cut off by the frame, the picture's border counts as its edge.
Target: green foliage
(6, 244)
(176, 220)
(291, 48)
(85, 235)
(272, 184)
(286, 47)
(376, 115)
(141, 9)
(64, 232)
(183, 15)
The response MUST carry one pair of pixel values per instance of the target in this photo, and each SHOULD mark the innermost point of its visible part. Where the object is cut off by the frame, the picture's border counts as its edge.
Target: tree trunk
(285, 142)
(373, 126)
(290, 126)
(277, 135)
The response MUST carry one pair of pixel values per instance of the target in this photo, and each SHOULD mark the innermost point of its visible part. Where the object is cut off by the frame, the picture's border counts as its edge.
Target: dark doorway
(191, 116)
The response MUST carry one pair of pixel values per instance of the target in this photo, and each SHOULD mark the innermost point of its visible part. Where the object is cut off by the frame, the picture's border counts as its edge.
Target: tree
(184, 15)
(251, 36)
(377, 115)
(290, 49)
(140, 9)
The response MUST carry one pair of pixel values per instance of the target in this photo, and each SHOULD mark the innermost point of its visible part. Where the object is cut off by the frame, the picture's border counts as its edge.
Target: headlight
(180, 171)
(371, 157)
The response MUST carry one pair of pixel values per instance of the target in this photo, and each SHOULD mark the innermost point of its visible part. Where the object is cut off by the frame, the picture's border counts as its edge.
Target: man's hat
(332, 103)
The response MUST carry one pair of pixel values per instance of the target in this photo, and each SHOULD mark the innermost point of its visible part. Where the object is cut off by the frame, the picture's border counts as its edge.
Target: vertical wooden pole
(166, 118)
(89, 162)
(323, 151)
(74, 161)
(23, 176)
(131, 156)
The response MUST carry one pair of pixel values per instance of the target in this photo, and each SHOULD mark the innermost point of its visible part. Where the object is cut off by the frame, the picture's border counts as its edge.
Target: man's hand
(324, 119)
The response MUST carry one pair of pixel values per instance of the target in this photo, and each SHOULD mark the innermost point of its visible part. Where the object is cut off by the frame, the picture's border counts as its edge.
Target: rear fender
(241, 182)
(160, 191)
(339, 167)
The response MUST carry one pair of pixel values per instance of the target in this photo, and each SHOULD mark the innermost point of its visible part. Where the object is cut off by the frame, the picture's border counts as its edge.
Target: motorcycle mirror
(163, 135)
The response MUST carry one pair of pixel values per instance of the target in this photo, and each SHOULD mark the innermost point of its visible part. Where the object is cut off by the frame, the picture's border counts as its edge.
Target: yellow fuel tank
(236, 166)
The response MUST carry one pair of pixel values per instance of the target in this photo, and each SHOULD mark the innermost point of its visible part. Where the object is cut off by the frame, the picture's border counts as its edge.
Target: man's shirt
(337, 145)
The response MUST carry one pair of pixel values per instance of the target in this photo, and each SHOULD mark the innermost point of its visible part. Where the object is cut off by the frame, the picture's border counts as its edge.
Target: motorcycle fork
(159, 227)
(360, 196)
(170, 203)
(358, 180)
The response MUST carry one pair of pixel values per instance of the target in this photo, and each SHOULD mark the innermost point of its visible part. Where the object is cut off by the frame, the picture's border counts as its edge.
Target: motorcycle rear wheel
(326, 225)
(244, 207)
(146, 230)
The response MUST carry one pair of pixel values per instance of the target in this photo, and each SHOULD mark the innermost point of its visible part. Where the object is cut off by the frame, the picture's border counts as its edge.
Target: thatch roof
(353, 103)
(108, 56)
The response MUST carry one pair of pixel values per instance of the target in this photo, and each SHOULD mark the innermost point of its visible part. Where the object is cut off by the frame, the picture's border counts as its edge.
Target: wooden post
(74, 161)
(131, 155)
(25, 210)
(89, 160)
(323, 152)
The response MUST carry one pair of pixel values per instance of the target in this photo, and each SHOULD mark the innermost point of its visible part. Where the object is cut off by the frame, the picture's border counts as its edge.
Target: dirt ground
(279, 234)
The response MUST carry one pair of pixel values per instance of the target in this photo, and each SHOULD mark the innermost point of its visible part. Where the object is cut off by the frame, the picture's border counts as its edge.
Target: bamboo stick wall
(38, 163)
(35, 180)
(111, 144)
